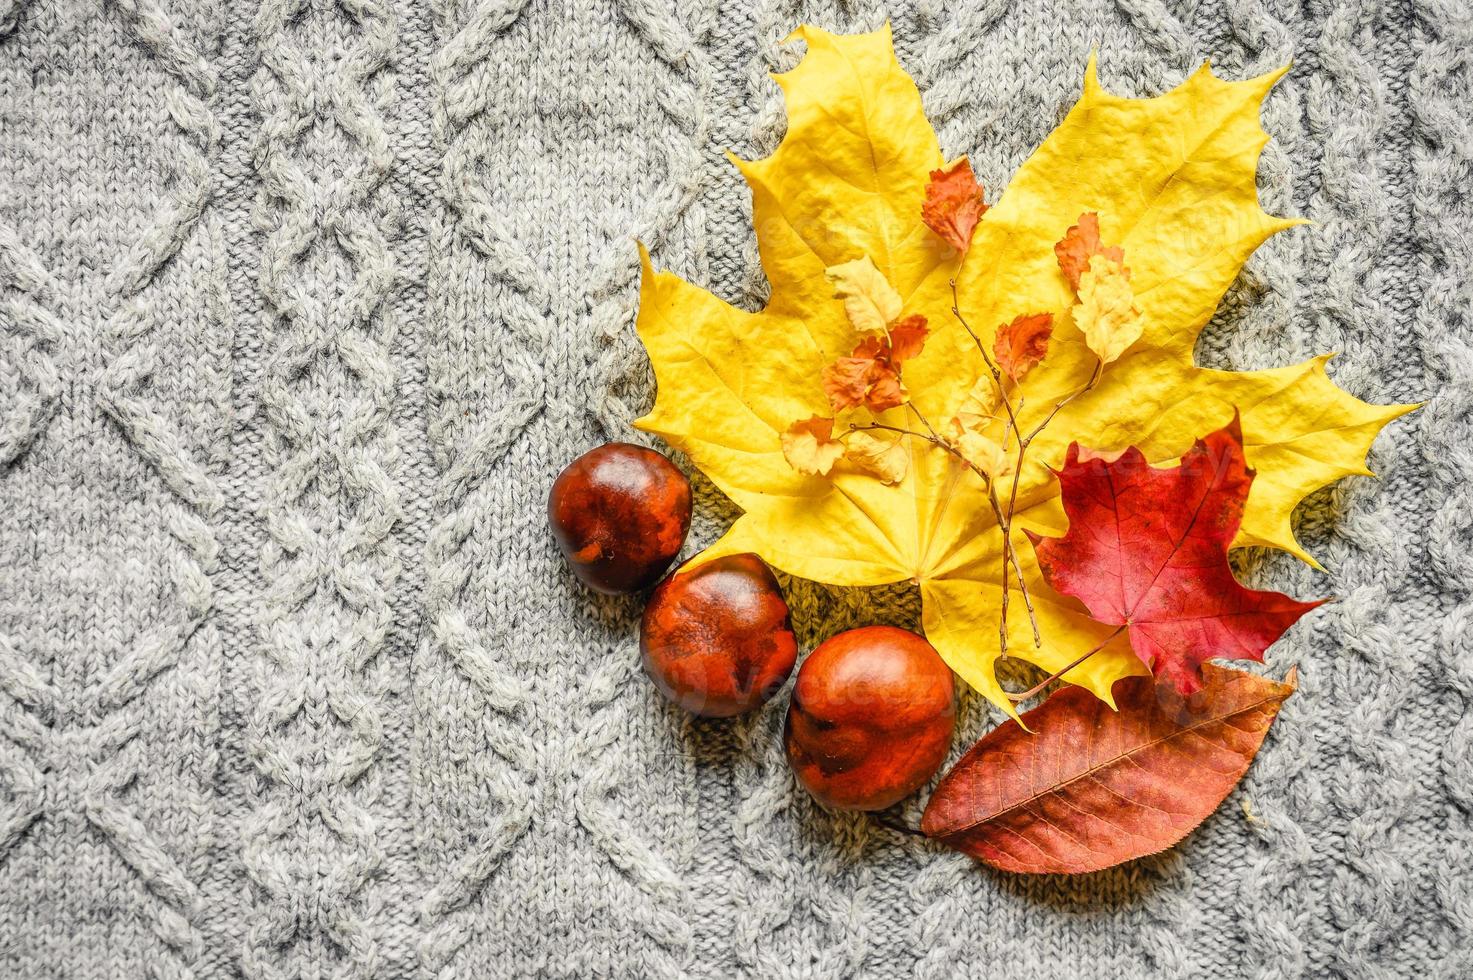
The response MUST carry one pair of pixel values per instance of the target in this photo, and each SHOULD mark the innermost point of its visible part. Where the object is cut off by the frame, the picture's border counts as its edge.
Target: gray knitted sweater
(303, 305)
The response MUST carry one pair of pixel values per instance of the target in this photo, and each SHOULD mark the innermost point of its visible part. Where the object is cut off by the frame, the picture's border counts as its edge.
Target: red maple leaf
(1147, 550)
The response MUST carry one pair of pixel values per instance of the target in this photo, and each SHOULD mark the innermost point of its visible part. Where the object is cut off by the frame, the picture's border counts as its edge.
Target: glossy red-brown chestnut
(871, 718)
(620, 514)
(717, 639)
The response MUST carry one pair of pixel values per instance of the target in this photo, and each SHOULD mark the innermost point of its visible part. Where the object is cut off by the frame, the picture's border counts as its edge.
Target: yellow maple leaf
(1172, 180)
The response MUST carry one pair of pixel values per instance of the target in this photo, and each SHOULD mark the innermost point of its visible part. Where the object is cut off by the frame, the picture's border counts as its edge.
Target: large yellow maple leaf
(1173, 180)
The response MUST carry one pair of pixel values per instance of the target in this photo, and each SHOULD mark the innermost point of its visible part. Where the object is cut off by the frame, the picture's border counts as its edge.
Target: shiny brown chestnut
(620, 514)
(717, 639)
(871, 718)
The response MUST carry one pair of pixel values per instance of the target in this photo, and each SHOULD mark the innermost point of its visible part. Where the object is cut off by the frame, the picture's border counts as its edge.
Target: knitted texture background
(303, 305)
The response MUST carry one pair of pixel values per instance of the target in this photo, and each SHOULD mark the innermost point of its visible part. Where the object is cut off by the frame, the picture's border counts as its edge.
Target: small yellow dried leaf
(970, 436)
(887, 459)
(809, 446)
(983, 399)
(870, 302)
(1106, 312)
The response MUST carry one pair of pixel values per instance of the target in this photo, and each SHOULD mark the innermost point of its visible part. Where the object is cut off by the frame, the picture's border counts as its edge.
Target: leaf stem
(1036, 688)
(891, 822)
(1094, 379)
(936, 441)
(925, 421)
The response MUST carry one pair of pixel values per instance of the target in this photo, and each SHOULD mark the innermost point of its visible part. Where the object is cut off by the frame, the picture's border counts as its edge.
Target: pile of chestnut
(872, 711)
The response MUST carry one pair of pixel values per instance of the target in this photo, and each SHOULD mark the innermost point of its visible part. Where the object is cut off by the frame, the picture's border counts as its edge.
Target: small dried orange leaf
(907, 338)
(1021, 344)
(954, 204)
(1081, 243)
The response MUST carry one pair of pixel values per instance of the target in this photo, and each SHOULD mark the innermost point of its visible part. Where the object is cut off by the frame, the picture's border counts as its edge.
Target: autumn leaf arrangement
(1000, 404)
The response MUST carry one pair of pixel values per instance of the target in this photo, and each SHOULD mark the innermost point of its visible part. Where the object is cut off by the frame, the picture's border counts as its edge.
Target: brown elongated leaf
(1094, 787)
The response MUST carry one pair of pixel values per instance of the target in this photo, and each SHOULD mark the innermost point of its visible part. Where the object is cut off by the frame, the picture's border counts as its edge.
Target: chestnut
(620, 514)
(871, 718)
(716, 639)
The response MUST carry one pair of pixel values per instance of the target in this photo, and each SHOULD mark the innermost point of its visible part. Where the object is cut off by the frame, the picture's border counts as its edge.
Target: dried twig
(1004, 518)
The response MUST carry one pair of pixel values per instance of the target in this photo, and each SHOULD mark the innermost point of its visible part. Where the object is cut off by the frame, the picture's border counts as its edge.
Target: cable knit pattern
(303, 304)
(316, 839)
